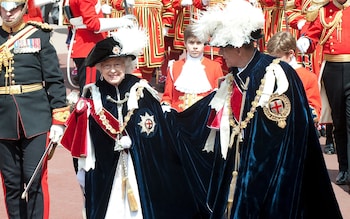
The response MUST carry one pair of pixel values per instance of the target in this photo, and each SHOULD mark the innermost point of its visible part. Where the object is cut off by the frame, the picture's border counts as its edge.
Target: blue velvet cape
(159, 160)
(282, 173)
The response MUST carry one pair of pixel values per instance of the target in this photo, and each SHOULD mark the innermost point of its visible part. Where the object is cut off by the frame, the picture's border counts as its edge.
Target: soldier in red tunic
(330, 27)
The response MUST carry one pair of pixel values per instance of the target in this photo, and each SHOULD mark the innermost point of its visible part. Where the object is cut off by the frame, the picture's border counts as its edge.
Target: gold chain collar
(243, 124)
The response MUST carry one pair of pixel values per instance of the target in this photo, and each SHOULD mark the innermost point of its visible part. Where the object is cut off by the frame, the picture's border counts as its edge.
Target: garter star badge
(147, 123)
(278, 109)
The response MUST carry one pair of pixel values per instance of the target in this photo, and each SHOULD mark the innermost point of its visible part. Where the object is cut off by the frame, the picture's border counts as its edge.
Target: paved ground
(65, 193)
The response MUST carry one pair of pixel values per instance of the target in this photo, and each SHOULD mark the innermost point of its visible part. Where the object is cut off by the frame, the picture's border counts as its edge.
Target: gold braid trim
(60, 115)
(243, 124)
(313, 11)
(336, 23)
(43, 26)
(305, 6)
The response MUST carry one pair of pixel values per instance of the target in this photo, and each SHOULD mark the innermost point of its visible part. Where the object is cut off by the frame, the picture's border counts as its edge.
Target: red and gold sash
(75, 138)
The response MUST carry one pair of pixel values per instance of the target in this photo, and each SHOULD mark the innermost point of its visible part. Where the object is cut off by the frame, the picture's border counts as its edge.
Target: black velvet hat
(105, 49)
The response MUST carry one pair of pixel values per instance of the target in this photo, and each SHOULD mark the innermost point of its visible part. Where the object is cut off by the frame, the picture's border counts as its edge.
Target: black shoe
(342, 178)
(329, 149)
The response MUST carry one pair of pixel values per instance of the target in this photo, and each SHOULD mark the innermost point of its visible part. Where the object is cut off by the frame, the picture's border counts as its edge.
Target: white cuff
(107, 24)
(186, 2)
(39, 3)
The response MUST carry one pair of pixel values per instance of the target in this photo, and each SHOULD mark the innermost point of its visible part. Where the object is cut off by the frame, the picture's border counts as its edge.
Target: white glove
(301, 23)
(165, 31)
(130, 2)
(73, 97)
(56, 132)
(166, 108)
(39, 3)
(107, 24)
(106, 9)
(303, 44)
(186, 2)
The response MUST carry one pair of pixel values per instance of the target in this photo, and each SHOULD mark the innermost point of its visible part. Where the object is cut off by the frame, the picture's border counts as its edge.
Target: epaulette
(315, 6)
(290, 5)
(43, 26)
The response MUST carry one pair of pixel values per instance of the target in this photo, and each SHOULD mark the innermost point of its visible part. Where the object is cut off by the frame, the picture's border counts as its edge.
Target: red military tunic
(335, 36)
(85, 39)
(296, 12)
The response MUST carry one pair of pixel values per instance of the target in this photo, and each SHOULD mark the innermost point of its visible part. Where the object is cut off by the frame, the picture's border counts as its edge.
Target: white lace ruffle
(193, 78)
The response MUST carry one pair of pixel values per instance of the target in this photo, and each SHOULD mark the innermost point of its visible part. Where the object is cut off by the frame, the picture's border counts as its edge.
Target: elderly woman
(122, 140)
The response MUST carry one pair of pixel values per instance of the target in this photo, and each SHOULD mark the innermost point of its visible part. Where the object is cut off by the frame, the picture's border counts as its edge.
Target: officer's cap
(9, 5)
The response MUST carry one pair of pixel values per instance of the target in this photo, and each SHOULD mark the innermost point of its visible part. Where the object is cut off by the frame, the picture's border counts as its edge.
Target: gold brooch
(278, 109)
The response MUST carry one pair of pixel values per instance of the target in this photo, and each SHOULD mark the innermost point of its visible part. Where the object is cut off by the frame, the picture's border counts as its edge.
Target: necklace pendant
(118, 146)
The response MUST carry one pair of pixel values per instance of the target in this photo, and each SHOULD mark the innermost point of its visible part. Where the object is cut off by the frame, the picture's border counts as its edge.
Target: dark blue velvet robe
(162, 182)
(282, 173)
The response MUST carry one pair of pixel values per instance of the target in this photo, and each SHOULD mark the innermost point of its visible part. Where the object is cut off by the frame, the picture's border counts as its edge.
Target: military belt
(20, 89)
(337, 58)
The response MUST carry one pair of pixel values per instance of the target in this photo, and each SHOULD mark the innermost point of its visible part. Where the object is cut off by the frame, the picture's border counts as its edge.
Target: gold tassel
(131, 199)
(124, 186)
(232, 191)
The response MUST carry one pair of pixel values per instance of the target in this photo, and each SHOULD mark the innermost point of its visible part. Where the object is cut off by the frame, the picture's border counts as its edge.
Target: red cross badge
(278, 109)
(147, 123)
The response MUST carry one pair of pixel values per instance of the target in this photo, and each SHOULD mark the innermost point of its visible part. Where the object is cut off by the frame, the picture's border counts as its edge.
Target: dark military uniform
(32, 98)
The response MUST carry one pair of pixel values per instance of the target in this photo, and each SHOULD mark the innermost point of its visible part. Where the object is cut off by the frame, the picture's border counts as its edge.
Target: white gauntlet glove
(38, 3)
(106, 9)
(56, 132)
(130, 2)
(186, 2)
(303, 44)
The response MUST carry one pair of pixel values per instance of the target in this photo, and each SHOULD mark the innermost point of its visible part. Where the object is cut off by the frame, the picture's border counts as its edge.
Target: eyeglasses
(108, 67)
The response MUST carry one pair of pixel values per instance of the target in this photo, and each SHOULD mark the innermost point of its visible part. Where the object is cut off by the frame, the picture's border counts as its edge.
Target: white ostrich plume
(231, 24)
(133, 39)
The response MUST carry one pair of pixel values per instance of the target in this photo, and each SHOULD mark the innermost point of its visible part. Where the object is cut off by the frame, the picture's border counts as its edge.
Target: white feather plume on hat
(132, 39)
(232, 24)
